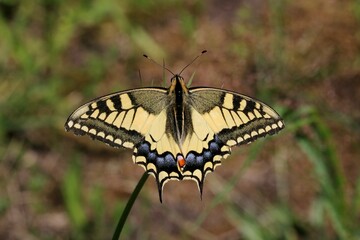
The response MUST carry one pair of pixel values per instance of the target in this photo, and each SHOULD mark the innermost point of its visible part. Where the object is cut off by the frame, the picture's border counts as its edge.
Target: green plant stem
(128, 206)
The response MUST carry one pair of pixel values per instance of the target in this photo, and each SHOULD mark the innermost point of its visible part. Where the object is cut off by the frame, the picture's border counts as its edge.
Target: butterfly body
(176, 133)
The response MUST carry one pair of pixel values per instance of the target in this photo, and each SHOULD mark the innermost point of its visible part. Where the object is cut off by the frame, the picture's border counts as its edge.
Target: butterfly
(178, 132)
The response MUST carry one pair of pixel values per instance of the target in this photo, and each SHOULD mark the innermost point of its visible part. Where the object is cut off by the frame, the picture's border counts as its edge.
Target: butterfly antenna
(204, 51)
(163, 66)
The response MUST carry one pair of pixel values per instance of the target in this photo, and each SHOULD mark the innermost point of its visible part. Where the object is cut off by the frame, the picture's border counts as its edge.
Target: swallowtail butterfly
(177, 132)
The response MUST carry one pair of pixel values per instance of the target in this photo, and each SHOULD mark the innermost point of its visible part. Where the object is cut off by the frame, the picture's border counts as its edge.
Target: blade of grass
(129, 205)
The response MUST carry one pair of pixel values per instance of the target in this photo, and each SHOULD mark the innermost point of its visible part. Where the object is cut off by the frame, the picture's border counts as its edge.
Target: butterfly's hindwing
(163, 166)
(199, 163)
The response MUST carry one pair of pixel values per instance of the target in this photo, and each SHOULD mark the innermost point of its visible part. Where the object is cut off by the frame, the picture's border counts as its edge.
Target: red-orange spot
(181, 161)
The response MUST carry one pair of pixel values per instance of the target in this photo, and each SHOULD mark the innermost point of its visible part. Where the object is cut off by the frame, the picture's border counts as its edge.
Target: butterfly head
(178, 85)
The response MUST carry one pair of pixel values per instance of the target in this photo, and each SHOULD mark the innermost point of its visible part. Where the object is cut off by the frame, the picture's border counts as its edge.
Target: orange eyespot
(181, 161)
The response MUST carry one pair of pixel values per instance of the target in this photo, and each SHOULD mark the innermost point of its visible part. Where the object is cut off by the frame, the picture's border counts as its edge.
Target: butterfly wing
(219, 119)
(139, 119)
(235, 118)
(121, 119)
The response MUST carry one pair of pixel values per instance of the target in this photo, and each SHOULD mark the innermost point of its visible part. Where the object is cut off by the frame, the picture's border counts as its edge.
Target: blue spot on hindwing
(207, 155)
(199, 160)
(143, 150)
(151, 157)
(160, 162)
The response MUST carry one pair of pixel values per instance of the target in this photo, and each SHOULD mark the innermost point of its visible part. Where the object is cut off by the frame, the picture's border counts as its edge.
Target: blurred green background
(300, 57)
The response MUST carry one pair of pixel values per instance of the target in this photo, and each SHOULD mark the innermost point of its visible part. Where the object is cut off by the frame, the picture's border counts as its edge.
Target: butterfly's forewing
(120, 119)
(235, 118)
